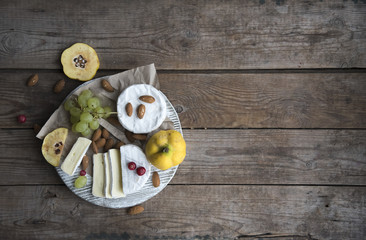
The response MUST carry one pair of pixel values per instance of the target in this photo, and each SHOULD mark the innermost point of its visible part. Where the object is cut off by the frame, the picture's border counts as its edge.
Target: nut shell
(105, 133)
(156, 179)
(129, 136)
(119, 144)
(85, 162)
(109, 144)
(141, 137)
(135, 210)
(32, 80)
(129, 109)
(100, 142)
(147, 99)
(59, 86)
(107, 86)
(141, 111)
(94, 147)
(97, 134)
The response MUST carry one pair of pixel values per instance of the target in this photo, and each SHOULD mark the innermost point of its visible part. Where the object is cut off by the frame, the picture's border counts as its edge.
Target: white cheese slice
(98, 175)
(130, 180)
(76, 154)
(107, 176)
(116, 174)
(155, 113)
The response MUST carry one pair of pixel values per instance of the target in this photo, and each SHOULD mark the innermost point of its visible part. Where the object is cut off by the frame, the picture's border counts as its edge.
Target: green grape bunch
(85, 110)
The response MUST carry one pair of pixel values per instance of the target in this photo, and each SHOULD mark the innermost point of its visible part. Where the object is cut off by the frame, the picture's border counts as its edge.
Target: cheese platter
(143, 143)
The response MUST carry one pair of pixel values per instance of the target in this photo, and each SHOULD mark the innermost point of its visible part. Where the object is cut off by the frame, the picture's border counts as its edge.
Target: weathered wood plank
(187, 34)
(189, 212)
(329, 157)
(290, 100)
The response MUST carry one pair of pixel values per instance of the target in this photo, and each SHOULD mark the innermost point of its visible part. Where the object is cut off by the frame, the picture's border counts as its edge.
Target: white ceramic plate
(147, 192)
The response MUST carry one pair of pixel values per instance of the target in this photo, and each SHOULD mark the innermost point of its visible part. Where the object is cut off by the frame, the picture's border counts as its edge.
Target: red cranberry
(82, 173)
(141, 171)
(131, 165)
(22, 118)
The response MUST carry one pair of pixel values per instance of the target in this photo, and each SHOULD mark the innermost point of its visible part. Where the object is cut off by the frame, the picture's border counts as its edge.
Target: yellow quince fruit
(166, 149)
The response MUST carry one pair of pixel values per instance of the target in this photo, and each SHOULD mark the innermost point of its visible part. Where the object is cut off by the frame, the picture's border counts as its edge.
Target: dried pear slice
(80, 61)
(53, 145)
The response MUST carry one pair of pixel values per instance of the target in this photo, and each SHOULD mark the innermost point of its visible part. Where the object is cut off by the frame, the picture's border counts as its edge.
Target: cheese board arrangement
(115, 141)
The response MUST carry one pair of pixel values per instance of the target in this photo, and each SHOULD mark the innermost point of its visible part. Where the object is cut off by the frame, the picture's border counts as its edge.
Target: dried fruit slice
(53, 145)
(80, 61)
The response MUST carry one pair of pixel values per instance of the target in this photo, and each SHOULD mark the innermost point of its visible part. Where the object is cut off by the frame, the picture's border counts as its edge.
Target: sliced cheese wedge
(116, 174)
(98, 175)
(107, 176)
(76, 154)
(130, 180)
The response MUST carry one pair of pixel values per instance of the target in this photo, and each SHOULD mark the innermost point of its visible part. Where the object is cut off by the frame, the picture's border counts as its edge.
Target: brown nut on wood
(129, 109)
(107, 86)
(113, 121)
(85, 162)
(97, 134)
(129, 136)
(94, 147)
(141, 137)
(100, 142)
(147, 98)
(32, 80)
(119, 144)
(156, 179)
(105, 133)
(135, 210)
(59, 86)
(109, 144)
(141, 111)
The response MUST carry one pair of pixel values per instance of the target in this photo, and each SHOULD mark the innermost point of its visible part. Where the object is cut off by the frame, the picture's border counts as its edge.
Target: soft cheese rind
(116, 174)
(76, 154)
(98, 175)
(107, 176)
(130, 180)
(155, 112)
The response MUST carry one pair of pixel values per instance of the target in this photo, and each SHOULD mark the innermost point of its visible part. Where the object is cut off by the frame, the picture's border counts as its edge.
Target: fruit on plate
(53, 145)
(166, 149)
(85, 110)
(80, 61)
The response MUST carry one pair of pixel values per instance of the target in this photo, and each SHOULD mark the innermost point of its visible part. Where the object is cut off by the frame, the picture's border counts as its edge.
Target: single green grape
(86, 132)
(83, 101)
(93, 103)
(107, 111)
(89, 110)
(69, 104)
(86, 117)
(99, 111)
(87, 94)
(81, 126)
(75, 111)
(74, 119)
(94, 125)
(80, 182)
(73, 128)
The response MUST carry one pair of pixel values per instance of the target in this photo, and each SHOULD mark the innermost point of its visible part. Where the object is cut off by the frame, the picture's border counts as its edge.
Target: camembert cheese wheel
(155, 112)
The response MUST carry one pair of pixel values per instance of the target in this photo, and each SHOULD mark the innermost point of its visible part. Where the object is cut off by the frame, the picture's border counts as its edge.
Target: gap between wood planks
(212, 71)
(213, 184)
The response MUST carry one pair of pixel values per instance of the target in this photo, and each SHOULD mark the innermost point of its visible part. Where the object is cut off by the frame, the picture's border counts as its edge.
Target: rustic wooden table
(271, 96)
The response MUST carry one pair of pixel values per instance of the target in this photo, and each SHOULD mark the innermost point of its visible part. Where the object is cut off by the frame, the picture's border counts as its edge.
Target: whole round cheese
(155, 112)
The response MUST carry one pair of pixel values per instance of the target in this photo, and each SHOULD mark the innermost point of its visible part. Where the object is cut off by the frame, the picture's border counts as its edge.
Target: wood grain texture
(186, 34)
(329, 157)
(189, 212)
(290, 100)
